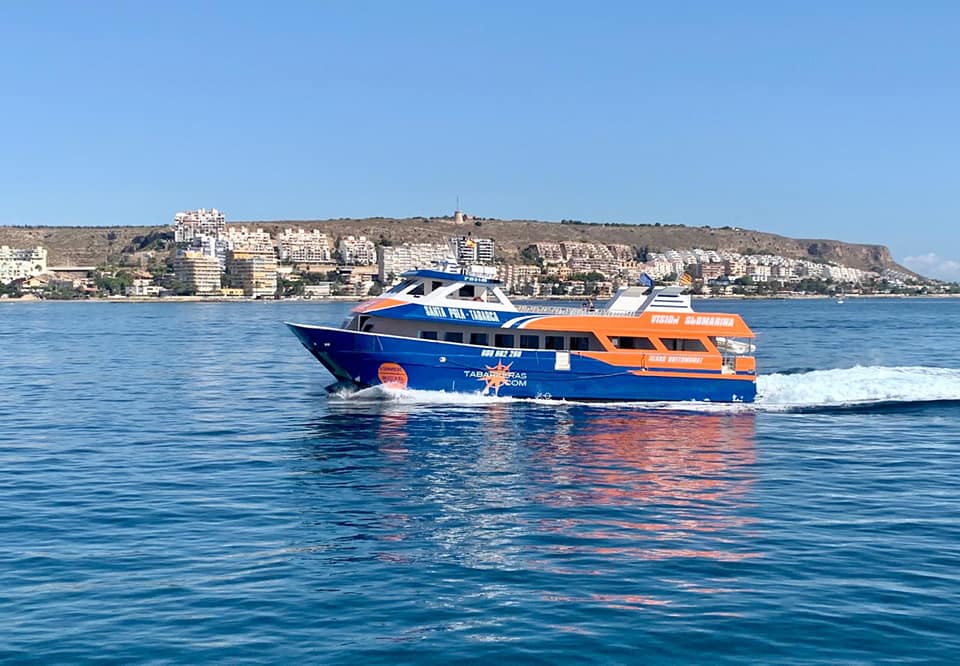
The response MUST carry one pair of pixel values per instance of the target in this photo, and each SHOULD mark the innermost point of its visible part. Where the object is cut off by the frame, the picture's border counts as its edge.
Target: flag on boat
(686, 279)
(646, 280)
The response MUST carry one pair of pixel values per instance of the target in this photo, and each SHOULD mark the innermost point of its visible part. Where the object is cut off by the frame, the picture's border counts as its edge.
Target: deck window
(630, 342)
(579, 343)
(406, 284)
(453, 336)
(503, 340)
(683, 344)
(529, 342)
(553, 342)
(478, 339)
(428, 335)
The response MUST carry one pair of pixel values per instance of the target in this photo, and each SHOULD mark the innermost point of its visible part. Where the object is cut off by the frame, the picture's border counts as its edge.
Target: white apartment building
(518, 278)
(189, 224)
(242, 239)
(759, 273)
(622, 253)
(304, 247)
(577, 250)
(394, 260)
(212, 246)
(548, 252)
(736, 266)
(658, 267)
(357, 251)
(143, 287)
(16, 263)
(470, 250)
(593, 265)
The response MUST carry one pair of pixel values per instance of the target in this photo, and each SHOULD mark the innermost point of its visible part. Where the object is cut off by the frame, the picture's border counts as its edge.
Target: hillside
(93, 245)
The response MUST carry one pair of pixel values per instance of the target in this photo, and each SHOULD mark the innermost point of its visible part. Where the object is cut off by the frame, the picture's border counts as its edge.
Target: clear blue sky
(808, 119)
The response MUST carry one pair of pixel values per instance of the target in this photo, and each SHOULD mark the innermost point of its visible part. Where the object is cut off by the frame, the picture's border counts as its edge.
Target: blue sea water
(176, 486)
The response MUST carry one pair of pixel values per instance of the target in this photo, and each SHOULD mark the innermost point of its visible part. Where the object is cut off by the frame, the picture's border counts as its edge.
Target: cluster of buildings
(217, 260)
(214, 259)
(720, 267)
(611, 266)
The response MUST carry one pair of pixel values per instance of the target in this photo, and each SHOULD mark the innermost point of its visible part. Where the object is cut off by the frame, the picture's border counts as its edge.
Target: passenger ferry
(450, 331)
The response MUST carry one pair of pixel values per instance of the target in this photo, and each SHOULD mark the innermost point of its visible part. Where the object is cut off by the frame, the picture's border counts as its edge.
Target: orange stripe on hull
(690, 375)
(657, 359)
(652, 364)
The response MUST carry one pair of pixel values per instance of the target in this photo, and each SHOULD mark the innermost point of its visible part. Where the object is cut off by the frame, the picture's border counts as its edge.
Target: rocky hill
(94, 245)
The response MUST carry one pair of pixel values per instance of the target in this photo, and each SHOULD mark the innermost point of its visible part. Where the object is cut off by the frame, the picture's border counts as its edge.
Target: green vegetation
(113, 285)
(592, 276)
(287, 288)
(155, 241)
(12, 289)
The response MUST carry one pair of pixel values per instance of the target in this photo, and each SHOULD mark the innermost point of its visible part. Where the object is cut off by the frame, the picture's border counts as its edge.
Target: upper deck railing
(571, 311)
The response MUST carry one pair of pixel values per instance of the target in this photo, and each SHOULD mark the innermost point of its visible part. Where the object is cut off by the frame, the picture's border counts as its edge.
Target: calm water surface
(175, 485)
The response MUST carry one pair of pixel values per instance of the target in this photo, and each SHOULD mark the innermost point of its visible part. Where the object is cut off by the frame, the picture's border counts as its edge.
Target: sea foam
(800, 391)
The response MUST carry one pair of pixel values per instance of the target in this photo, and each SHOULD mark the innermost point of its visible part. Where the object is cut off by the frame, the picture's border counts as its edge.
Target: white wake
(857, 386)
(849, 387)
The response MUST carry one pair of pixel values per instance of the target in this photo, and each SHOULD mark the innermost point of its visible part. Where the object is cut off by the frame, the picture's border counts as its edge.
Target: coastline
(358, 299)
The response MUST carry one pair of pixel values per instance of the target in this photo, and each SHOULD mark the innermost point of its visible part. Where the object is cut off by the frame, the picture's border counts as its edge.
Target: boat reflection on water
(649, 486)
(646, 456)
(554, 489)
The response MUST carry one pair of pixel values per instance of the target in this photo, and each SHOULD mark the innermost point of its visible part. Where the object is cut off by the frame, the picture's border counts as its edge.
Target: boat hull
(368, 359)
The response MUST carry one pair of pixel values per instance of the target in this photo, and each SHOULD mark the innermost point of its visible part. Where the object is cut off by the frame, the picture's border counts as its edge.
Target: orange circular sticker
(392, 374)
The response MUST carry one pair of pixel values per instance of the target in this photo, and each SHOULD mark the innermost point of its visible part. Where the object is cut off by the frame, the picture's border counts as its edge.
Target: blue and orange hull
(370, 359)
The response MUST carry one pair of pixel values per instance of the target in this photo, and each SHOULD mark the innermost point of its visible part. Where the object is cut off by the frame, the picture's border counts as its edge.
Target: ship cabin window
(419, 290)
(630, 342)
(401, 287)
(436, 284)
(453, 336)
(503, 340)
(683, 344)
(478, 339)
(579, 343)
(361, 323)
(474, 292)
(428, 335)
(529, 342)
(553, 342)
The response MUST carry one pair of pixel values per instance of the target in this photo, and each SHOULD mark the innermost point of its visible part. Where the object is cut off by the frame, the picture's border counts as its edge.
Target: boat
(451, 331)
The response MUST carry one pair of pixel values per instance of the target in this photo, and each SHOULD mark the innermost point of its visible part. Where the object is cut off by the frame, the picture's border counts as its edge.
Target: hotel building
(189, 224)
(357, 251)
(253, 271)
(394, 260)
(16, 264)
(304, 247)
(198, 272)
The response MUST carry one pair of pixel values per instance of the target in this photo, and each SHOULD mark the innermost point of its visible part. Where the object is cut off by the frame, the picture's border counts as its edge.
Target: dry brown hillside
(93, 245)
